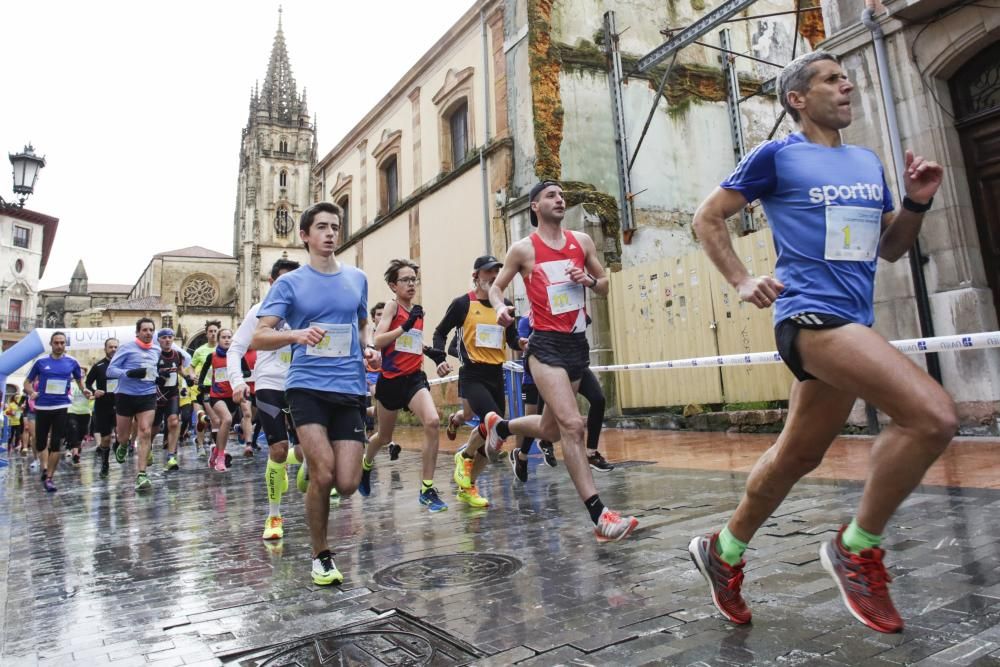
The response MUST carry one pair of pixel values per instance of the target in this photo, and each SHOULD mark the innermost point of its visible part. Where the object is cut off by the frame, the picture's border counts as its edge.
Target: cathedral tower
(277, 154)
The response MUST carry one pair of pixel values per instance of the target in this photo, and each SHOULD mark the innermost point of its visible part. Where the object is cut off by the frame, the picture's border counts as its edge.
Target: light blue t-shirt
(304, 297)
(130, 356)
(824, 206)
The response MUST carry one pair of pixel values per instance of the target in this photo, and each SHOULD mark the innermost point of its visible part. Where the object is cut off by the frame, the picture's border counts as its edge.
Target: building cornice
(469, 21)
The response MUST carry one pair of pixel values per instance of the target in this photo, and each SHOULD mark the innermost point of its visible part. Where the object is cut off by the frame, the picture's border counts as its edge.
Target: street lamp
(26, 167)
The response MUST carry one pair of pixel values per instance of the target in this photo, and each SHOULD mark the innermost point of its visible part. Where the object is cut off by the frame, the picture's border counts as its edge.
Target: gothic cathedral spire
(277, 155)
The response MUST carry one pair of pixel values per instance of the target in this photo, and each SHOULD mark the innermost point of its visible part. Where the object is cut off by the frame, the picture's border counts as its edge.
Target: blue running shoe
(432, 501)
(365, 487)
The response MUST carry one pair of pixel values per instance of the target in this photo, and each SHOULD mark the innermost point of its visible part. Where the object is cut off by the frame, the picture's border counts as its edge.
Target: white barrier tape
(975, 341)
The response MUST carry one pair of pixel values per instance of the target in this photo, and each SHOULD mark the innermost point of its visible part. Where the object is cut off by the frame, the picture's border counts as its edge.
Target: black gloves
(136, 373)
(437, 356)
(415, 314)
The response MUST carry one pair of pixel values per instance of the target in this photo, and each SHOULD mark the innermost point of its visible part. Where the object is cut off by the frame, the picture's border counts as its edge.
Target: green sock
(366, 464)
(292, 458)
(426, 485)
(856, 539)
(274, 478)
(730, 549)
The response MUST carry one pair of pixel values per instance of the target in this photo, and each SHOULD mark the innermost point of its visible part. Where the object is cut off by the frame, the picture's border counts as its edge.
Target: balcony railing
(20, 324)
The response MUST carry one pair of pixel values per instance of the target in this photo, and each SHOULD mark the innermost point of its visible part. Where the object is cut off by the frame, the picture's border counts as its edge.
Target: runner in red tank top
(557, 266)
(402, 383)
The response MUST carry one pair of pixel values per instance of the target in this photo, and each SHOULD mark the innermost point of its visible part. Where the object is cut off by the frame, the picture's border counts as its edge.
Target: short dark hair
(109, 340)
(54, 334)
(396, 265)
(380, 304)
(283, 265)
(795, 76)
(217, 323)
(138, 323)
(308, 215)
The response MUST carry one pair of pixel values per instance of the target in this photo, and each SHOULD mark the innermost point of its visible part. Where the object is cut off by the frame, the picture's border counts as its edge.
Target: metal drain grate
(448, 571)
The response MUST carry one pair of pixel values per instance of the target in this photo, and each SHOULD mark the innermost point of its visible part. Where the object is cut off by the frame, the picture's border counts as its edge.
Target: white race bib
(489, 336)
(557, 270)
(112, 386)
(336, 342)
(411, 342)
(171, 380)
(285, 356)
(55, 387)
(566, 298)
(150, 375)
(852, 233)
(219, 375)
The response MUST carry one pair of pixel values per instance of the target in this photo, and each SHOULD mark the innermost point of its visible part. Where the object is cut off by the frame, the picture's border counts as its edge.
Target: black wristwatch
(594, 286)
(914, 207)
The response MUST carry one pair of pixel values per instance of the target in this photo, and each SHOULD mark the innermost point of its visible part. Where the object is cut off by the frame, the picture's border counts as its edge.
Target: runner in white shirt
(269, 382)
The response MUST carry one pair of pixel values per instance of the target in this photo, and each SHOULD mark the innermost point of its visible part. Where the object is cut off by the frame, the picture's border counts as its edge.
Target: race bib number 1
(55, 387)
(411, 342)
(852, 233)
(489, 336)
(565, 298)
(336, 342)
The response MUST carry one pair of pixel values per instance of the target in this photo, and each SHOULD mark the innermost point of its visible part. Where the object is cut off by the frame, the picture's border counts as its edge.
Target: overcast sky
(138, 107)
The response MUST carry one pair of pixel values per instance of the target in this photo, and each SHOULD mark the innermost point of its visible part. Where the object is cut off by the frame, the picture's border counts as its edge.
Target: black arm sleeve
(91, 378)
(513, 340)
(204, 371)
(453, 317)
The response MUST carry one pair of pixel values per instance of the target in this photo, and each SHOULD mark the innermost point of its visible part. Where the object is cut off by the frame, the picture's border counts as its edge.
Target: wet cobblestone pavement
(95, 574)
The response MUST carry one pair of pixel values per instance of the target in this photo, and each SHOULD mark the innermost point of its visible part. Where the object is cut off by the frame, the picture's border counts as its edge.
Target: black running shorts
(104, 418)
(343, 415)
(568, 351)
(396, 393)
(786, 332)
(272, 411)
(127, 405)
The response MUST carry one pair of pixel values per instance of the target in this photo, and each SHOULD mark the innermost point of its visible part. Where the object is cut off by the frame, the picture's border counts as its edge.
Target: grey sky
(138, 108)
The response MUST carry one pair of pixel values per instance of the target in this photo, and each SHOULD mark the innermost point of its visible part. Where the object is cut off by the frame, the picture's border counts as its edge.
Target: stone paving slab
(95, 574)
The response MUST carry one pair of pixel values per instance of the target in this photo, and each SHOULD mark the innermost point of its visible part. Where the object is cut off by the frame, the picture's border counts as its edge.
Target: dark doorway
(197, 342)
(975, 91)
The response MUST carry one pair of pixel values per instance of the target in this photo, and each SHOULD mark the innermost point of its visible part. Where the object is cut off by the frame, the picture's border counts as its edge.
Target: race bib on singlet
(852, 233)
(219, 375)
(411, 342)
(55, 387)
(336, 342)
(112, 386)
(566, 298)
(285, 356)
(150, 375)
(557, 270)
(489, 336)
(171, 380)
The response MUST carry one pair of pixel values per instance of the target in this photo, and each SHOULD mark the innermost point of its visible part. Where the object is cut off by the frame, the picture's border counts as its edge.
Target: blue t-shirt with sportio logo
(336, 302)
(54, 377)
(824, 206)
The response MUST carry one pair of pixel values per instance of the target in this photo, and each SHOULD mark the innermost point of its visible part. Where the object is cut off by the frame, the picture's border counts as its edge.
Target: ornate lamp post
(26, 167)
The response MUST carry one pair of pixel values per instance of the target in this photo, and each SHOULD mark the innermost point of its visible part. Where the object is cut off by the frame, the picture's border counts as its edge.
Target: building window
(390, 184)
(199, 290)
(283, 145)
(283, 178)
(18, 266)
(22, 237)
(14, 315)
(345, 224)
(458, 125)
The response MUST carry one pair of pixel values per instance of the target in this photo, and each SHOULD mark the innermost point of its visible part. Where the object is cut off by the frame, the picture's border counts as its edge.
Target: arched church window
(282, 222)
(283, 145)
(976, 86)
(283, 178)
(199, 290)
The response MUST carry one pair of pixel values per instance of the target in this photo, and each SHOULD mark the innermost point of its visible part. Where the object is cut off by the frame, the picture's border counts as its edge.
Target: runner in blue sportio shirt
(325, 304)
(54, 374)
(829, 207)
(135, 368)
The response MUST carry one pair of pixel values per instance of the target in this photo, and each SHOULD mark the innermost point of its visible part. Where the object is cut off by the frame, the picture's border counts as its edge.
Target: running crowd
(323, 377)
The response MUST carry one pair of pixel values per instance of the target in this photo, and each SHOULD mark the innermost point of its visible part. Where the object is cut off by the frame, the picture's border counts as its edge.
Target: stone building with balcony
(26, 239)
